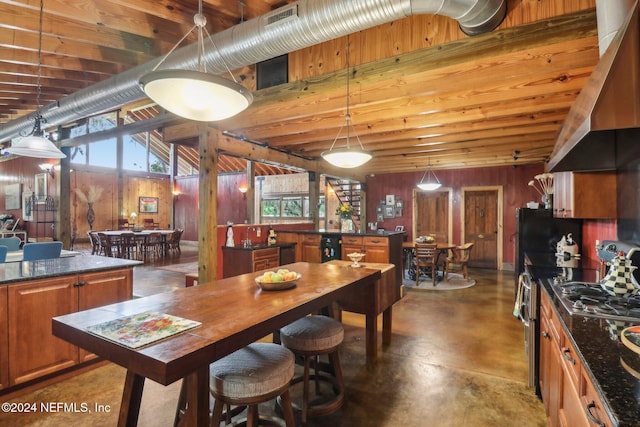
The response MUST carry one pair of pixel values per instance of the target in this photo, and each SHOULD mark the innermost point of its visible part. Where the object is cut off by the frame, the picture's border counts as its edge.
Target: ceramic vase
(91, 216)
(547, 199)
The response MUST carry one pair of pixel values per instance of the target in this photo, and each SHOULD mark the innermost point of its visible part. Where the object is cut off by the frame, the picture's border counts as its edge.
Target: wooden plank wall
(106, 208)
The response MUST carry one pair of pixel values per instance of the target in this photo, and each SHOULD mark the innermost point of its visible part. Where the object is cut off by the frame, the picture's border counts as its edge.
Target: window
(134, 153)
(270, 208)
(291, 207)
(103, 153)
(285, 207)
(79, 154)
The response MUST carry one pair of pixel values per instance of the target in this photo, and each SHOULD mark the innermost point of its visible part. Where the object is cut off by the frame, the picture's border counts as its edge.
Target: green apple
(277, 278)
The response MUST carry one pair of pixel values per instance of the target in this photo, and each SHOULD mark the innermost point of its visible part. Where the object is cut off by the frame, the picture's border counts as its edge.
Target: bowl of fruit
(277, 280)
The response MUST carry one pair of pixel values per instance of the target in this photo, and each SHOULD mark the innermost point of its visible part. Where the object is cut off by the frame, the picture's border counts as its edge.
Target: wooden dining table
(141, 235)
(409, 247)
(233, 312)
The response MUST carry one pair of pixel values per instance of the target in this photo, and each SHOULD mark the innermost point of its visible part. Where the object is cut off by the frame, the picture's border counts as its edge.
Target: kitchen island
(606, 373)
(378, 246)
(33, 292)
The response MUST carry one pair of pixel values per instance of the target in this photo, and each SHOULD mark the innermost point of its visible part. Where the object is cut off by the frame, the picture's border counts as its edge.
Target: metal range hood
(605, 116)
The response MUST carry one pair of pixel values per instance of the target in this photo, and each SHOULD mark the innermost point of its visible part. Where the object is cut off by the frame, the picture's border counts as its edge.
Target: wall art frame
(41, 187)
(148, 204)
(12, 196)
(27, 207)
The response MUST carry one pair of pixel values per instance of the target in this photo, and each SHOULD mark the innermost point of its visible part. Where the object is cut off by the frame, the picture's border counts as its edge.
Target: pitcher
(619, 281)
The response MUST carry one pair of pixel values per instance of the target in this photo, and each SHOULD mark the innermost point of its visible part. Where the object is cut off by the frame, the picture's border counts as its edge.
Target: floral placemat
(142, 329)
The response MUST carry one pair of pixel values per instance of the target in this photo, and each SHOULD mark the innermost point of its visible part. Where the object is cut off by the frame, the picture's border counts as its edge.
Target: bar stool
(311, 337)
(254, 374)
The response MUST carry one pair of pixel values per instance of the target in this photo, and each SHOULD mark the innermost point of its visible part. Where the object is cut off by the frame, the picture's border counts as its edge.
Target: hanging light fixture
(347, 157)
(432, 182)
(35, 144)
(196, 94)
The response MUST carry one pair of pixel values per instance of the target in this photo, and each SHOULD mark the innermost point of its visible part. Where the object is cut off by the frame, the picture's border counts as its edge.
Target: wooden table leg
(386, 326)
(131, 397)
(371, 338)
(197, 389)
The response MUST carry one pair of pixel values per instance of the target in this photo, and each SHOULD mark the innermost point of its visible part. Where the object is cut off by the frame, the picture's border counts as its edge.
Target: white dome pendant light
(347, 157)
(196, 94)
(432, 182)
(35, 144)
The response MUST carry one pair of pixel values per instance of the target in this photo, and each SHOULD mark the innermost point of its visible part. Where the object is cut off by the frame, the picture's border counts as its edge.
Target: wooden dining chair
(129, 245)
(105, 244)
(425, 258)
(152, 246)
(458, 260)
(94, 240)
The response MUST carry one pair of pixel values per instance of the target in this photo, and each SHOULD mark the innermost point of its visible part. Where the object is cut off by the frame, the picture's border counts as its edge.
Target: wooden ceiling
(420, 90)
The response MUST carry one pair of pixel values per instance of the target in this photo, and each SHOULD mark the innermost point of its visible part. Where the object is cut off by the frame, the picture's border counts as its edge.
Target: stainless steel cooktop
(590, 300)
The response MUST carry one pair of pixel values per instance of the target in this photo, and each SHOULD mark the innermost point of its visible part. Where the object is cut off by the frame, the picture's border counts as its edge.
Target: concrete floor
(456, 359)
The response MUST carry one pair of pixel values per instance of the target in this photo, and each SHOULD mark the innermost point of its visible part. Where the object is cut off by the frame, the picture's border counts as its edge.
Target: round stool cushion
(252, 371)
(312, 333)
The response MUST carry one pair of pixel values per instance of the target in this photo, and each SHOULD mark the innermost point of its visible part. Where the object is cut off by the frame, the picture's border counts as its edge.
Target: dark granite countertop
(339, 233)
(13, 272)
(259, 246)
(613, 368)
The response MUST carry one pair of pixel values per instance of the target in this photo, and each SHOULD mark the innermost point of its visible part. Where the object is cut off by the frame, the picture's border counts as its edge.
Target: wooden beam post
(63, 230)
(208, 192)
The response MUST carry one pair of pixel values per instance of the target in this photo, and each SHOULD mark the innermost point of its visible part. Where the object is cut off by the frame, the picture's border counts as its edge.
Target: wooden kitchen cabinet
(351, 244)
(237, 260)
(103, 288)
(580, 195)
(592, 402)
(33, 350)
(550, 371)
(376, 249)
(4, 338)
(567, 393)
(310, 248)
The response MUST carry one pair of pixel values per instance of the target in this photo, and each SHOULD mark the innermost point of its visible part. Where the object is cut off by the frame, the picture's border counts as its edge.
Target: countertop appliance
(538, 234)
(331, 246)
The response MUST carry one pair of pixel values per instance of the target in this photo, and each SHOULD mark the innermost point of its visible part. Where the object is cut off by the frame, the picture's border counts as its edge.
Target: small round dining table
(408, 249)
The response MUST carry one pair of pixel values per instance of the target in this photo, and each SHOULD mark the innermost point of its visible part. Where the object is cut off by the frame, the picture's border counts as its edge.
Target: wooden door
(481, 227)
(432, 215)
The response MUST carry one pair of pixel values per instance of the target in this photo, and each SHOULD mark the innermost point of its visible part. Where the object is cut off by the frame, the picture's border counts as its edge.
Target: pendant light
(432, 182)
(196, 94)
(35, 144)
(347, 157)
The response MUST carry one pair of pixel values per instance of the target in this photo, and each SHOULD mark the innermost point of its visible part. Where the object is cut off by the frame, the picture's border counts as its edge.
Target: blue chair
(12, 243)
(3, 254)
(41, 250)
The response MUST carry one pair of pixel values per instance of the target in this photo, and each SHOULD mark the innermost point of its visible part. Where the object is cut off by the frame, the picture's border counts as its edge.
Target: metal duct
(289, 28)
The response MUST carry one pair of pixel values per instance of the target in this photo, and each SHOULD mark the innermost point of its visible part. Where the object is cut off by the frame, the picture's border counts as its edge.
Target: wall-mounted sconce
(176, 194)
(243, 190)
(46, 167)
(132, 217)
